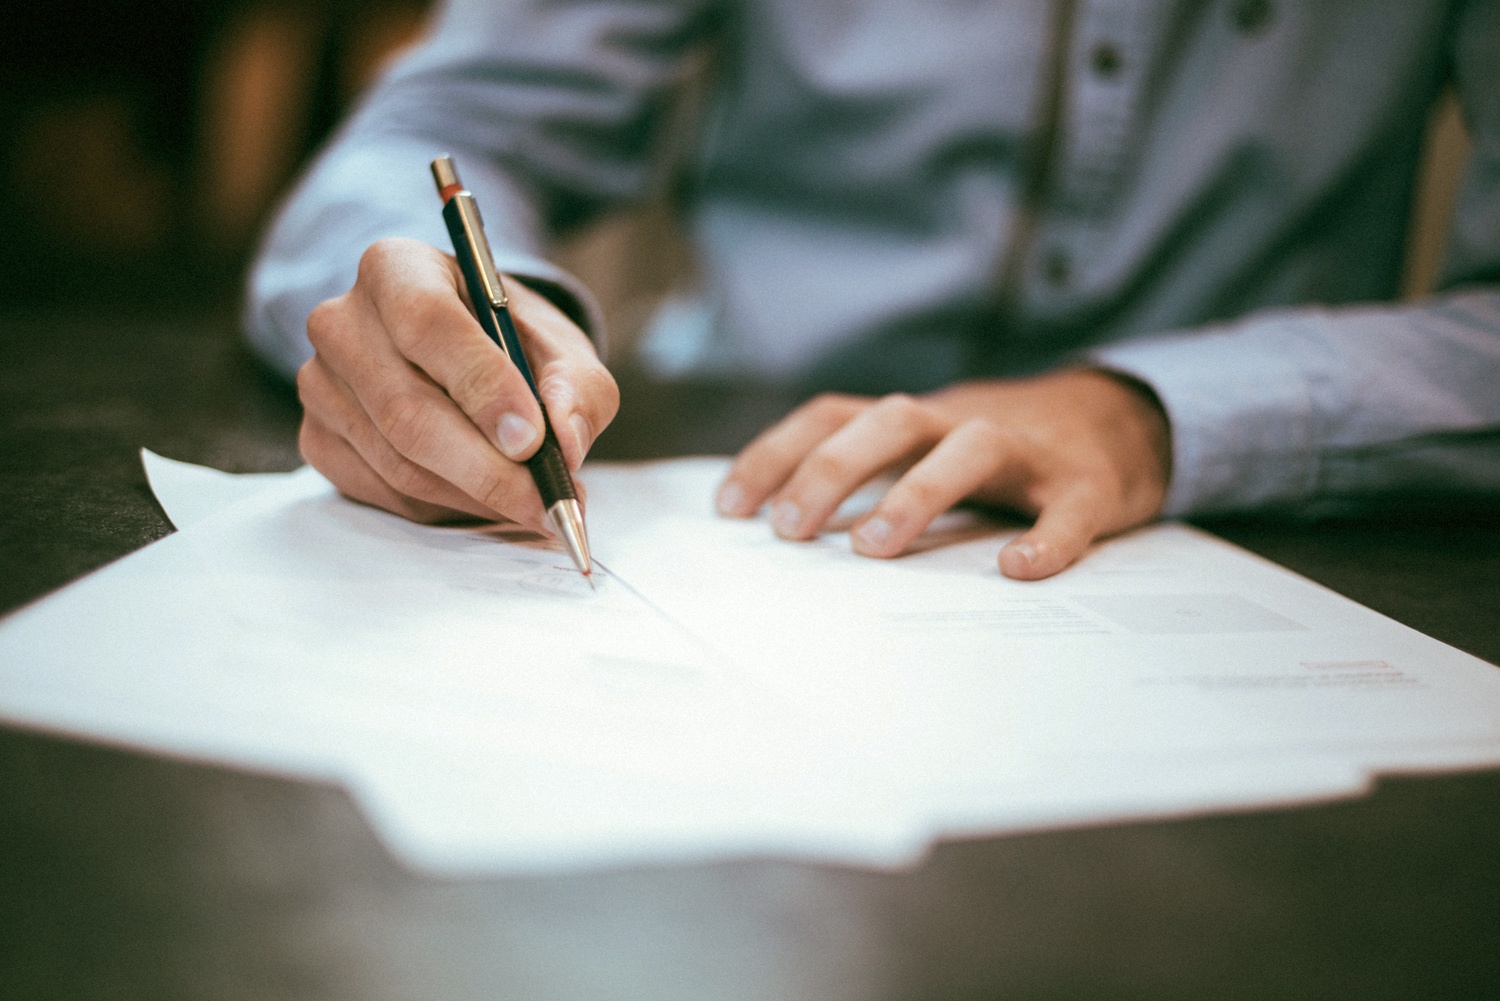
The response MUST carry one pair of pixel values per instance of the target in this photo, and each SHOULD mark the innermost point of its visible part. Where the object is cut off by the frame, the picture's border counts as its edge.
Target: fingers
(415, 297)
(1085, 452)
(407, 377)
(980, 458)
(417, 294)
(580, 394)
(974, 454)
(336, 459)
(331, 410)
(882, 435)
(1062, 533)
(768, 461)
(421, 423)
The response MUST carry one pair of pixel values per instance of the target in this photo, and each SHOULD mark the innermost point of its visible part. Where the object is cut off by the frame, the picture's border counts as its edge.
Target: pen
(492, 307)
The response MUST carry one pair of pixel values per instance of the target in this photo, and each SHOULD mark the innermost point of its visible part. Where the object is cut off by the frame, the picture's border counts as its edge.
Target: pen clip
(479, 246)
(451, 188)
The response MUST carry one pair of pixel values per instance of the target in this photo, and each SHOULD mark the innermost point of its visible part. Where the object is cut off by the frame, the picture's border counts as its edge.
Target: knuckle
(404, 477)
(317, 392)
(901, 407)
(325, 323)
(312, 445)
(425, 323)
(307, 383)
(380, 257)
(477, 383)
(556, 387)
(986, 435)
(588, 388)
(921, 494)
(600, 387)
(825, 465)
(830, 405)
(497, 490)
(403, 420)
(906, 416)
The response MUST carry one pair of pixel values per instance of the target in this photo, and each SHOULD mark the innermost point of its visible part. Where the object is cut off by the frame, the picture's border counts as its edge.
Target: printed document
(723, 693)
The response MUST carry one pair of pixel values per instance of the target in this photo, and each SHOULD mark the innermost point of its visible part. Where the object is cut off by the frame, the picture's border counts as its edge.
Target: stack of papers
(723, 693)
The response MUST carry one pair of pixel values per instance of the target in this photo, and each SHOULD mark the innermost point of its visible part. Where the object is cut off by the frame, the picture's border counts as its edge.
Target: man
(1139, 229)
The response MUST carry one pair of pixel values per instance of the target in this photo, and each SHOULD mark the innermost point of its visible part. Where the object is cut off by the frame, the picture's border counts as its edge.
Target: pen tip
(567, 522)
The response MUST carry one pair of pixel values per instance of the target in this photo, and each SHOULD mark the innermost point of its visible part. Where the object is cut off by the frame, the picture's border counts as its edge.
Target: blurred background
(173, 126)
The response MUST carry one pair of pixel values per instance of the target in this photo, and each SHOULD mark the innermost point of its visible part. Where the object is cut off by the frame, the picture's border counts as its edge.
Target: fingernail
(873, 534)
(516, 434)
(786, 518)
(583, 432)
(731, 499)
(1026, 551)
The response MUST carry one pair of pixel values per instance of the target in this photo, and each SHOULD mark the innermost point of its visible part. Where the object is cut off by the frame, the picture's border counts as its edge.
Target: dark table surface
(128, 876)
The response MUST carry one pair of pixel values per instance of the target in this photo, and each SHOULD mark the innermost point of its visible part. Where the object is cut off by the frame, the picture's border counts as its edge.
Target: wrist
(1143, 410)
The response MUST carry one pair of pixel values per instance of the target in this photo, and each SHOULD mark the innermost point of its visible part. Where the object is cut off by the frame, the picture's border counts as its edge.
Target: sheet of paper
(300, 633)
(724, 694)
(189, 493)
(1166, 645)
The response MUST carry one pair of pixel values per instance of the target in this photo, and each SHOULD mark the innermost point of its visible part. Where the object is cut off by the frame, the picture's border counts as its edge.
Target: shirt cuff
(1241, 412)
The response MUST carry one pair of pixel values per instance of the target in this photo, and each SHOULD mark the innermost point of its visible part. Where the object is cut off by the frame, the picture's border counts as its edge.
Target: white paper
(456, 680)
(189, 493)
(724, 693)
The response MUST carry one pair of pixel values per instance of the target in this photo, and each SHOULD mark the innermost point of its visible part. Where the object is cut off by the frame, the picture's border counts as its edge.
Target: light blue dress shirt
(1209, 196)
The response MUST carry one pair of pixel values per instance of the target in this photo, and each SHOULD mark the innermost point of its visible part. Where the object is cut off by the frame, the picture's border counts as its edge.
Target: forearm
(1312, 405)
(551, 109)
(366, 188)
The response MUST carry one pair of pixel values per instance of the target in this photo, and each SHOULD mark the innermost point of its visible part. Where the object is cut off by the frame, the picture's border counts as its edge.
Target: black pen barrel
(547, 466)
(491, 307)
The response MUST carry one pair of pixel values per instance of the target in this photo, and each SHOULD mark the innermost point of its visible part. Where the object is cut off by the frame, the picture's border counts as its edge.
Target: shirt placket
(1104, 72)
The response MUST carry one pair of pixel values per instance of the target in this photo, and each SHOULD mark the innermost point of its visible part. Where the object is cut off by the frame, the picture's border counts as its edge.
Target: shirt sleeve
(1306, 407)
(552, 112)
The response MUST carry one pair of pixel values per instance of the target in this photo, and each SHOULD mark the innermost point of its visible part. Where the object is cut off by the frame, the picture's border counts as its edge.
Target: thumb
(1062, 533)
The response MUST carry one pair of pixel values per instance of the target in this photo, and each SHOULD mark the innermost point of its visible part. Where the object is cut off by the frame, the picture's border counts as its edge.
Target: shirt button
(1106, 60)
(1057, 268)
(1250, 17)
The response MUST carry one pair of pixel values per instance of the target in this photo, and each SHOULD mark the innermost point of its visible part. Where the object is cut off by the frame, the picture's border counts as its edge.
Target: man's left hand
(1086, 452)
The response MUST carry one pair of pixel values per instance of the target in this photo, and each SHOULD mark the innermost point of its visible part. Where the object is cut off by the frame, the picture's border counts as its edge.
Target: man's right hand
(409, 406)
